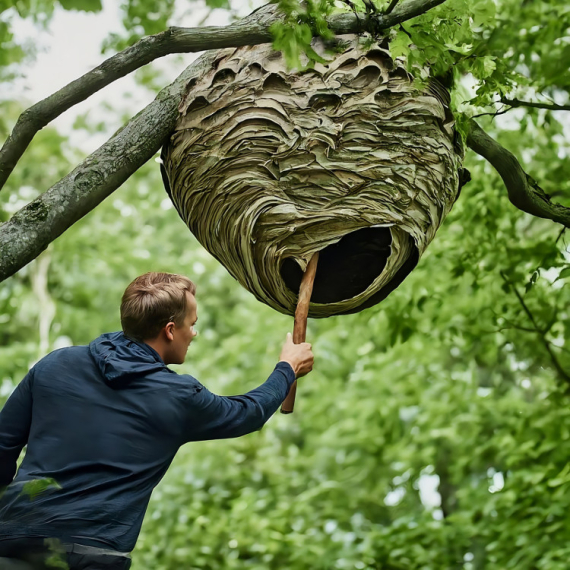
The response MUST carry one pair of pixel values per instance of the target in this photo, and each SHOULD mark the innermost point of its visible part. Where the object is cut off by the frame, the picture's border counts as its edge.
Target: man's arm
(219, 417)
(15, 421)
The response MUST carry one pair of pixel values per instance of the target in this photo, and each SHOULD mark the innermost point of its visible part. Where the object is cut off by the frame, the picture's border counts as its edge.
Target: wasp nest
(267, 166)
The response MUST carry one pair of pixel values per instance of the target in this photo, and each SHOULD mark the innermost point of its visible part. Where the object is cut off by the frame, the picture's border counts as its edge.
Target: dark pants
(33, 554)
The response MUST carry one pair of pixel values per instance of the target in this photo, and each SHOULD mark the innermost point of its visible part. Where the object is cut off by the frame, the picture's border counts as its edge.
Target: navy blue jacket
(105, 422)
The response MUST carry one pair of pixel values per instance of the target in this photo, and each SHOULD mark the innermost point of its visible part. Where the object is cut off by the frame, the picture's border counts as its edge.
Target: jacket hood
(122, 359)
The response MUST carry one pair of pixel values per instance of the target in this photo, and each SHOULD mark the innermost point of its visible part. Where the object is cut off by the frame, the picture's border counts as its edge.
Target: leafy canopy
(435, 429)
(504, 47)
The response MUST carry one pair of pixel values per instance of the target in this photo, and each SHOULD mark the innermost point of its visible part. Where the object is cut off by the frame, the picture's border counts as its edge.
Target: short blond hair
(153, 300)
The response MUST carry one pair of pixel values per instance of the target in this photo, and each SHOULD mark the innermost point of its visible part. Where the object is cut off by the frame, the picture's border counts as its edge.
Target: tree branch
(36, 225)
(252, 30)
(548, 106)
(539, 331)
(391, 7)
(523, 191)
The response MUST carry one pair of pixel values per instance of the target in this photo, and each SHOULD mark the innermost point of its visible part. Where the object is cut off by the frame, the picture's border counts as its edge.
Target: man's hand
(299, 356)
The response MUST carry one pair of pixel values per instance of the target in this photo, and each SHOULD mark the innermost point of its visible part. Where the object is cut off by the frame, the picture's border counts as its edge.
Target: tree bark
(252, 30)
(35, 226)
(523, 191)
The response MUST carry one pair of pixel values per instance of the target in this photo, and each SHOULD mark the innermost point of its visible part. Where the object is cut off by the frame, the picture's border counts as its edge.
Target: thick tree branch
(36, 225)
(252, 30)
(523, 191)
(548, 106)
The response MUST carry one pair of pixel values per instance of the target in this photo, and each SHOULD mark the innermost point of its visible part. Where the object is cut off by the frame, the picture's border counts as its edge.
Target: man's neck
(159, 347)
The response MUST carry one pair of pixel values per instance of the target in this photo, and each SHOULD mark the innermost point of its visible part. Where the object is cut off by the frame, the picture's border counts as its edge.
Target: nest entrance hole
(346, 268)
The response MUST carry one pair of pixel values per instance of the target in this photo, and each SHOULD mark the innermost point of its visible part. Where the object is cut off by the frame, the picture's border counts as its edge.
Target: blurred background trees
(434, 432)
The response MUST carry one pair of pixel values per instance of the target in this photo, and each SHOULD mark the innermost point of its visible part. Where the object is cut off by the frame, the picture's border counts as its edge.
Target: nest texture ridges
(267, 164)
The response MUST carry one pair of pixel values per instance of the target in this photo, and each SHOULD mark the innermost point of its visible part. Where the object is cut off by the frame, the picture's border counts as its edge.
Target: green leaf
(406, 333)
(483, 12)
(400, 45)
(483, 67)
(36, 487)
(564, 273)
(218, 3)
(82, 5)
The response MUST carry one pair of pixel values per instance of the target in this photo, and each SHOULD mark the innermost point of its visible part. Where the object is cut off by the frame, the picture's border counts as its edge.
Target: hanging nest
(267, 166)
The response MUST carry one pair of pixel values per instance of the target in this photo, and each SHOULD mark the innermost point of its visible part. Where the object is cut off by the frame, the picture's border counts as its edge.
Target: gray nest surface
(268, 166)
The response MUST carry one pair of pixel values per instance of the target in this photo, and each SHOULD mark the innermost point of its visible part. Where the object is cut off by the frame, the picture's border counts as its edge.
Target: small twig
(406, 32)
(495, 331)
(495, 114)
(547, 106)
(518, 327)
(523, 304)
(552, 321)
(538, 330)
(511, 326)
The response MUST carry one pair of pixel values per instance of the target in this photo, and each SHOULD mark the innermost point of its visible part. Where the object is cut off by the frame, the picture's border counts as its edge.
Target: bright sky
(71, 47)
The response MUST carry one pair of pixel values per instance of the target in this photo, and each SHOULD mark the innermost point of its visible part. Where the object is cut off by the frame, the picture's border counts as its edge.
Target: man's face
(184, 334)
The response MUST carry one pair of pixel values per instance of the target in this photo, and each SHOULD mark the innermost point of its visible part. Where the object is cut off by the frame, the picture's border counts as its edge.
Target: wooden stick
(300, 326)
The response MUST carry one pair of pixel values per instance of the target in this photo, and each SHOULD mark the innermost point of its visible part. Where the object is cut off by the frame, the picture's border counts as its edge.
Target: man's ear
(169, 331)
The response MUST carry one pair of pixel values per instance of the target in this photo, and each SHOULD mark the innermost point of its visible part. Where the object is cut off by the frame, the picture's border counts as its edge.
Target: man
(103, 422)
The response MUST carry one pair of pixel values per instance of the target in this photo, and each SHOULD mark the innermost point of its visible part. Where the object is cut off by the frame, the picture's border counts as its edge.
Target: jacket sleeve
(15, 421)
(218, 417)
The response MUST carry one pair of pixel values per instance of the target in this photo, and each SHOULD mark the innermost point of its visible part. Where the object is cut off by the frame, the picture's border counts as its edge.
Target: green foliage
(38, 11)
(293, 36)
(458, 382)
(36, 487)
(10, 51)
(507, 48)
(57, 556)
(445, 383)
(83, 5)
(141, 18)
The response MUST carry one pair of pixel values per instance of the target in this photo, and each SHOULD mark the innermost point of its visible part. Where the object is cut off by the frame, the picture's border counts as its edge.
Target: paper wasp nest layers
(267, 166)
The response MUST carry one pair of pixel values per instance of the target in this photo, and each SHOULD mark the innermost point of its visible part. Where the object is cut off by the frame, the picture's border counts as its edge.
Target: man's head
(160, 310)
